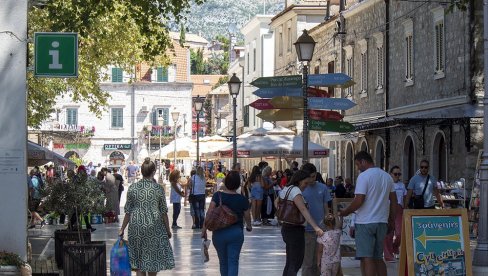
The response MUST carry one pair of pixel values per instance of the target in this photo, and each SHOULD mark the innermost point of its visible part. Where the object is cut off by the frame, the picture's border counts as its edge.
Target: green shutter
(162, 75)
(117, 74)
(166, 116)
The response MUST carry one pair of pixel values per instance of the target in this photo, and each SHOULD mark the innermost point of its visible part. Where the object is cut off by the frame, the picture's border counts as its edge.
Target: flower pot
(60, 236)
(87, 259)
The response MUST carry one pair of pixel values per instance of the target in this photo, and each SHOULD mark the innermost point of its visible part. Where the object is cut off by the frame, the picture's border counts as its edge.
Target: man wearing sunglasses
(417, 184)
(392, 240)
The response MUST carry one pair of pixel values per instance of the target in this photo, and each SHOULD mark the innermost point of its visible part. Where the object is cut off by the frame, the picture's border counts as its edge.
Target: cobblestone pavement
(263, 252)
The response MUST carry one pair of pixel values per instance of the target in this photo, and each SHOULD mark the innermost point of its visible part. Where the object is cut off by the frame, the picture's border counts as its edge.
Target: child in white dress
(329, 246)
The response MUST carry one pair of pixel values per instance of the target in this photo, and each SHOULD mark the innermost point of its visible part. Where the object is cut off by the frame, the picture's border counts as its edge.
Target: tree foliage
(197, 62)
(111, 32)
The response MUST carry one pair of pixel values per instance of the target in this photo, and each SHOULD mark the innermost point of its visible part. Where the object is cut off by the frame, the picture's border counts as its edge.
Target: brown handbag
(287, 211)
(220, 217)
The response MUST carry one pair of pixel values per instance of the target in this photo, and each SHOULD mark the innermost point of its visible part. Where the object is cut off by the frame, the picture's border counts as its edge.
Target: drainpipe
(386, 85)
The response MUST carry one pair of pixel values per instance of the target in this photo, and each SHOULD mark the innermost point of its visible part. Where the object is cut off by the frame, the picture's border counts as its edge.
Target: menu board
(436, 242)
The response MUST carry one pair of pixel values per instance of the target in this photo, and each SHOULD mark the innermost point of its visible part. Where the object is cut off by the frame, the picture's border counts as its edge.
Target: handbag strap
(220, 198)
(288, 192)
(426, 184)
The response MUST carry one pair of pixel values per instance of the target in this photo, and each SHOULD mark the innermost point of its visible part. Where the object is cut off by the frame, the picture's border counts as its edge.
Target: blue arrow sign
(330, 103)
(278, 91)
(331, 79)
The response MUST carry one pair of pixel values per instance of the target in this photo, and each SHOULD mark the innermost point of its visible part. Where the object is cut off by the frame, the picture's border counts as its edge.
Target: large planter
(89, 259)
(60, 236)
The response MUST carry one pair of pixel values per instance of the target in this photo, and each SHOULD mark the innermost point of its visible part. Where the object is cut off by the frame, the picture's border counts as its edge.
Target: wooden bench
(44, 267)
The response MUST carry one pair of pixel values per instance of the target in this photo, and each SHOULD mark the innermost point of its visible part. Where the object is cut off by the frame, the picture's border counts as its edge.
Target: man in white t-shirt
(374, 193)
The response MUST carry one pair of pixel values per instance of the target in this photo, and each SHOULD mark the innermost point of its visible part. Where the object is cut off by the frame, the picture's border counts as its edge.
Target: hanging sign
(117, 146)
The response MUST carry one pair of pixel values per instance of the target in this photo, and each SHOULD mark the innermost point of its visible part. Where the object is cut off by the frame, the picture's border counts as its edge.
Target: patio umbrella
(274, 146)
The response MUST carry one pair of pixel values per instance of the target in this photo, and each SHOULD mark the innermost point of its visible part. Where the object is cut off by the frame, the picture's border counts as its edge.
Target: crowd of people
(378, 201)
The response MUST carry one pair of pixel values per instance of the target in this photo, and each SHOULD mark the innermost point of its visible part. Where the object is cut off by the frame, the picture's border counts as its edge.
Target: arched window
(364, 146)
(439, 157)
(116, 158)
(380, 155)
(409, 167)
(349, 166)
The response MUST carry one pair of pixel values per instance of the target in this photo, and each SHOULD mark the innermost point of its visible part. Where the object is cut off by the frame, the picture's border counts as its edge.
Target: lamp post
(234, 86)
(480, 257)
(304, 47)
(198, 104)
(160, 123)
(175, 115)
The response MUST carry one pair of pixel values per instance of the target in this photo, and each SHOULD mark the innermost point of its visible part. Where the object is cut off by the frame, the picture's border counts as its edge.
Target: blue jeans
(228, 243)
(176, 213)
(198, 204)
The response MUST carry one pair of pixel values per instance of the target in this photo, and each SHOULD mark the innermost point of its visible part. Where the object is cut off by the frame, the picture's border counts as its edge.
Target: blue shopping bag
(119, 259)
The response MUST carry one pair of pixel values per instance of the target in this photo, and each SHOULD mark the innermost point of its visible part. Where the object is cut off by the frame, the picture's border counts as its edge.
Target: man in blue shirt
(317, 196)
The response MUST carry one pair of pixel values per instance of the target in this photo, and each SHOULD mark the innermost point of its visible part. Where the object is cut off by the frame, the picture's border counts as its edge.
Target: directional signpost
(297, 114)
(56, 55)
(330, 103)
(314, 92)
(281, 81)
(330, 126)
(262, 104)
(332, 79)
(287, 102)
(278, 91)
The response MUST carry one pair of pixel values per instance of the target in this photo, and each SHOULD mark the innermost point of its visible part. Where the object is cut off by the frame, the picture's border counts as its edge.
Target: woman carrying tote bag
(294, 234)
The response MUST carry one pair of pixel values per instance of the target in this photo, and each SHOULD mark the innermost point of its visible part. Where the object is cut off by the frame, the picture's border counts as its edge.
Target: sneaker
(43, 223)
(176, 227)
(193, 226)
(256, 223)
(92, 229)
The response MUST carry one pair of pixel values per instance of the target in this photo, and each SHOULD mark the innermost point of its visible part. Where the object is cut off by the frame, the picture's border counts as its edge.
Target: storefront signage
(436, 242)
(70, 146)
(117, 146)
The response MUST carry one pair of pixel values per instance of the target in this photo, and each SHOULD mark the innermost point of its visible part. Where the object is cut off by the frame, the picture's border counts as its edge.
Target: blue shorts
(257, 192)
(369, 240)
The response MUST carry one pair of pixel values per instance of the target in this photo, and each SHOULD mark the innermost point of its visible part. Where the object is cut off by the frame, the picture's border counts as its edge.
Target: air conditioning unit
(144, 109)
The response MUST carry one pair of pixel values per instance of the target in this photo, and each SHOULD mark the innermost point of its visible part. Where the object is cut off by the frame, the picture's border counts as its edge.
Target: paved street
(263, 250)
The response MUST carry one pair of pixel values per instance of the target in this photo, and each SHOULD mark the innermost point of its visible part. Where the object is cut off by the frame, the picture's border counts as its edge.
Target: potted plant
(12, 264)
(79, 195)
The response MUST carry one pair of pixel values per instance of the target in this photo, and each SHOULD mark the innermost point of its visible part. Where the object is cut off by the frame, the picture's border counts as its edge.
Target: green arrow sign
(330, 126)
(280, 81)
(56, 55)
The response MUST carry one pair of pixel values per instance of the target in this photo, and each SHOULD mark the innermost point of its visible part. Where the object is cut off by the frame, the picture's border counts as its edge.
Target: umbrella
(274, 146)
(38, 156)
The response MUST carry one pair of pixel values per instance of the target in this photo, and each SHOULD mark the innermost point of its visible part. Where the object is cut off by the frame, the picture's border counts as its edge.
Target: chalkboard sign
(436, 242)
(348, 243)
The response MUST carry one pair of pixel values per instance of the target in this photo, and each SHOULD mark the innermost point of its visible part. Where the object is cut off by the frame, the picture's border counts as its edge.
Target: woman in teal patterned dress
(149, 233)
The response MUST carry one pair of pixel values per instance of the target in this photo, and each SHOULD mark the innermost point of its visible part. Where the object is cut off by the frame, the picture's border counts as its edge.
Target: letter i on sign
(55, 57)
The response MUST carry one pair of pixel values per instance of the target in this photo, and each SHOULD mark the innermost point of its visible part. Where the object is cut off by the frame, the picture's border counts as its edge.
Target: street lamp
(175, 115)
(304, 47)
(160, 123)
(234, 86)
(198, 104)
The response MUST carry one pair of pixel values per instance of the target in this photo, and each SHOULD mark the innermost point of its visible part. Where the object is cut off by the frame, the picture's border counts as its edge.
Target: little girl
(329, 246)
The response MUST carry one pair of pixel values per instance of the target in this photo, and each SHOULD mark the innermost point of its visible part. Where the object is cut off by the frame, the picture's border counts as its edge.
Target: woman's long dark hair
(297, 177)
(254, 174)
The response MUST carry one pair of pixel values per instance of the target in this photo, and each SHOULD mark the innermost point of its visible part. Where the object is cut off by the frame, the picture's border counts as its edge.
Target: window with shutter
(72, 116)
(246, 115)
(439, 47)
(161, 112)
(364, 72)
(350, 73)
(409, 58)
(162, 74)
(117, 74)
(380, 68)
(117, 117)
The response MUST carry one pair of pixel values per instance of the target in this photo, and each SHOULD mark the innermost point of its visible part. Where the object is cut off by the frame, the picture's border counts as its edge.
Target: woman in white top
(175, 196)
(198, 184)
(294, 235)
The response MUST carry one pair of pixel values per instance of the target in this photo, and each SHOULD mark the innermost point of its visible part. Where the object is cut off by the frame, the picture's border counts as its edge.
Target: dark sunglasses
(397, 174)
(424, 167)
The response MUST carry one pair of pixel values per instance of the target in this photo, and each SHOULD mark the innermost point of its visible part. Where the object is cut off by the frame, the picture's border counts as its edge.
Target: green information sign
(330, 126)
(56, 55)
(279, 81)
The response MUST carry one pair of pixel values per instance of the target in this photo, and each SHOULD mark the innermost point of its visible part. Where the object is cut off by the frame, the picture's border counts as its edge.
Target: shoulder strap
(426, 184)
(288, 192)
